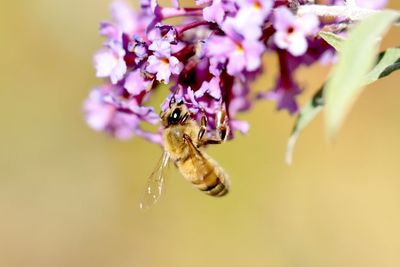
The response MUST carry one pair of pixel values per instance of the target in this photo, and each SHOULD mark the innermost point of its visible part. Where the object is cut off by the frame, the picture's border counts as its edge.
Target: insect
(184, 139)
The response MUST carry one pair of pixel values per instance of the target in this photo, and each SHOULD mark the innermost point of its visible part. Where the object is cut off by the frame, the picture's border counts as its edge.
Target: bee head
(175, 114)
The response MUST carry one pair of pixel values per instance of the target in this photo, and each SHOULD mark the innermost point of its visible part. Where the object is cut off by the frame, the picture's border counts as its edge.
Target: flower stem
(351, 12)
(185, 27)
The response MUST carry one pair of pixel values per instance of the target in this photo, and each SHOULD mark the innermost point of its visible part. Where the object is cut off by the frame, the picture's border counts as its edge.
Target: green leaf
(336, 41)
(306, 115)
(356, 57)
(387, 62)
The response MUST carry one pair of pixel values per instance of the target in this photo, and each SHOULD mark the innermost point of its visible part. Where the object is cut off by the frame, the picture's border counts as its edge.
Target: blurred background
(69, 196)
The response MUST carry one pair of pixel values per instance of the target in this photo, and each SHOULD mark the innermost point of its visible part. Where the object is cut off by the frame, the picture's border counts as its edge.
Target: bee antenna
(173, 99)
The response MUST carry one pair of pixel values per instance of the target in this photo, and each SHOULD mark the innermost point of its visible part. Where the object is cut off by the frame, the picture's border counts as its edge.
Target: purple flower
(250, 18)
(128, 20)
(240, 56)
(286, 89)
(239, 102)
(215, 12)
(373, 4)
(113, 60)
(284, 94)
(104, 116)
(124, 16)
(98, 113)
(161, 48)
(291, 31)
(152, 5)
(162, 32)
(107, 110)
(200, 101)
(163, 67)
(240, 49)
(239, 125)
(109, 62)
(175, 3)
(203, 2)
(135, 83)
(239, 99)
(208, 58)
(139, 49)
(210, 87)
(111, 31)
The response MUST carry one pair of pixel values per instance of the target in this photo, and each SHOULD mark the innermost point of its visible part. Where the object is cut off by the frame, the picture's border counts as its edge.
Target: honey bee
(183, 140)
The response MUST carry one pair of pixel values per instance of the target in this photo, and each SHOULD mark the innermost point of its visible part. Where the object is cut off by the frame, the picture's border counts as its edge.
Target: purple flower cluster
(208, 60)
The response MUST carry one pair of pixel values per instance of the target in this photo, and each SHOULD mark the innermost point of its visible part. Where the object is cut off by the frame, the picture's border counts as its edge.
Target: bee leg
(222, 125)
(203, 127)
(221, 132)
(209, 142)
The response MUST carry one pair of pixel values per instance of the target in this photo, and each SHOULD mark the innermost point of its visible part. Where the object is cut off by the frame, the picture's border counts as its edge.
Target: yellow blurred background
(69, 196)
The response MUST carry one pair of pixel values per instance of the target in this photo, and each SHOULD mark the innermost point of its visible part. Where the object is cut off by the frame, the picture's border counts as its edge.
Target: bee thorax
(174, 141)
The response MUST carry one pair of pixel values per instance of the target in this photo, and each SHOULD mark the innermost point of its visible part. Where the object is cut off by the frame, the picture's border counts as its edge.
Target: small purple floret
(208, 60)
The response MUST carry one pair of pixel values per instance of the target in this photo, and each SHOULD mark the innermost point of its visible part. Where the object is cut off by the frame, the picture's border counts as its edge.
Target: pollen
(165, 61)
(239, 48)
(257, 5)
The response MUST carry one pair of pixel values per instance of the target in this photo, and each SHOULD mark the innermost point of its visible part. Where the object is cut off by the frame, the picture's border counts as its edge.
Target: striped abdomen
(204, 173)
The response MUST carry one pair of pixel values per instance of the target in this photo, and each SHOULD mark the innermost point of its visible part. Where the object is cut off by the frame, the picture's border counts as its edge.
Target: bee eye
(175, 116)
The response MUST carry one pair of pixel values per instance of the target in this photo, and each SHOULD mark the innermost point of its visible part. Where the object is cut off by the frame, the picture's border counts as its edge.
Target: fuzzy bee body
(195, 165)
(182, 144)
(180, 141)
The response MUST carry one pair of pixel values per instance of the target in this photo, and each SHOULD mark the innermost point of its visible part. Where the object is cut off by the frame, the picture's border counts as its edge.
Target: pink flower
(291, 31)
(111, 31)
(201, 100)
(109, 62)
(239, 102)
(106, 110)
(373, 4)
(129, 21)
(135, 83)
(163, 67)
(202, 2)
(175, 3)
(104, 116)
(250, 18)
(286, 88)
(284, 94)
(215, 12)
(162, 48)
(239, 98)
(209, 55)
(211, 87)
(241, 55)
(97, 112)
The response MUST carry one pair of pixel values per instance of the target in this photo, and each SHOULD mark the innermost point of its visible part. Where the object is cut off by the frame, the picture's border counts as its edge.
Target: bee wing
(200, 163)
(155, 183)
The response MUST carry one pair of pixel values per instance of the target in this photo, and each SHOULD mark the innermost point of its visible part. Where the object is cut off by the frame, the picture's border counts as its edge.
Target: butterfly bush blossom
(208, 60)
